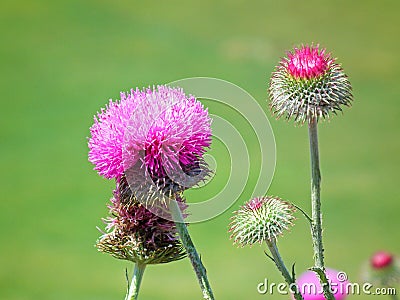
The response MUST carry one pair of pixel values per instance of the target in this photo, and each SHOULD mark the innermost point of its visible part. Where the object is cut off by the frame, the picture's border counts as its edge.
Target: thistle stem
(138, 271)
(316, 225)
(191, 251)
(282, 268)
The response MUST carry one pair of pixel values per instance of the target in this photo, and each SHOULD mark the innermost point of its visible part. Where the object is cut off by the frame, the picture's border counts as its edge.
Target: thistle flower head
(107, 138)
(260, 219)
(307, 62)
(382, 269)
(134, 233)
(161, 128)
(308, 84)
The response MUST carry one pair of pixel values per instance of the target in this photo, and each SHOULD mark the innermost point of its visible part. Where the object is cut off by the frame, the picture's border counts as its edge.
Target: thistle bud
(260, 219)
(308, 84)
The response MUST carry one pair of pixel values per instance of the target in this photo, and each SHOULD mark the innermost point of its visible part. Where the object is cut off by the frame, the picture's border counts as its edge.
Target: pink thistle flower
(307, 62)
(160, 127)
(308, 84)
(255, 203)
(171, 128)
(107, 138)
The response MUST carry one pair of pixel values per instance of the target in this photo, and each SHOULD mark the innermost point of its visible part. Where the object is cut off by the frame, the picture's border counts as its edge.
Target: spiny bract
(136, 234)
(260, 219)
(308, 85)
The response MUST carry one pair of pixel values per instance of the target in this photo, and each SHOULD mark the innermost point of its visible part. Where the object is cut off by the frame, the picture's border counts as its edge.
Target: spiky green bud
(308, 84)
(260, 219)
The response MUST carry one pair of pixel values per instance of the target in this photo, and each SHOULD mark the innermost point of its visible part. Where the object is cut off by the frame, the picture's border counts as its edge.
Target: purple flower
(107, 137)
(307, 62)
(161, 130)
(161, 127)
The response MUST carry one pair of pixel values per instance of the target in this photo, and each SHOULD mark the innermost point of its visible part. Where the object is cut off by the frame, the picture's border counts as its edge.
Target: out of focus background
(63, 60)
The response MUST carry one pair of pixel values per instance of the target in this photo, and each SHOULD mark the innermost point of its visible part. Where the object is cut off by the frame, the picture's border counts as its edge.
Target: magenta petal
(307, 62)
(163, 122)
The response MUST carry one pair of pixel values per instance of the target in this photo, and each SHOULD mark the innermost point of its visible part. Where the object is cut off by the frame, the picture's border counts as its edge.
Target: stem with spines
(191, 251)
(290, 280)
(316, 225)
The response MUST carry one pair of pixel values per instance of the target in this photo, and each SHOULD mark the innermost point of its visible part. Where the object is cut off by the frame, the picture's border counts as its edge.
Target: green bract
(261, 219)
(305, 96)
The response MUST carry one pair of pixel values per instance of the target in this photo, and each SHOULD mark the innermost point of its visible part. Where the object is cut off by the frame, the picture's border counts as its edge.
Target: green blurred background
(62, 60)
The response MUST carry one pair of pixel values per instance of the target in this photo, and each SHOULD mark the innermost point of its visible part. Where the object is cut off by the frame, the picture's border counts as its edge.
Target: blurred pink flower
(381, 259)
(383, 269)
(311, 289)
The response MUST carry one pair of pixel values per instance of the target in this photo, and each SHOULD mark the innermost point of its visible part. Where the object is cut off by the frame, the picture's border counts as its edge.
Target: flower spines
(134, 233)
(133, 248)
(308, 85)
(161, 128)
(260, 219)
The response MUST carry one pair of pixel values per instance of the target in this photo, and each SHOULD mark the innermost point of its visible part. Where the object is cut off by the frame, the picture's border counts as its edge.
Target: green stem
(282, 268)
(191, 251)
(133, 292)
(316, 225)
